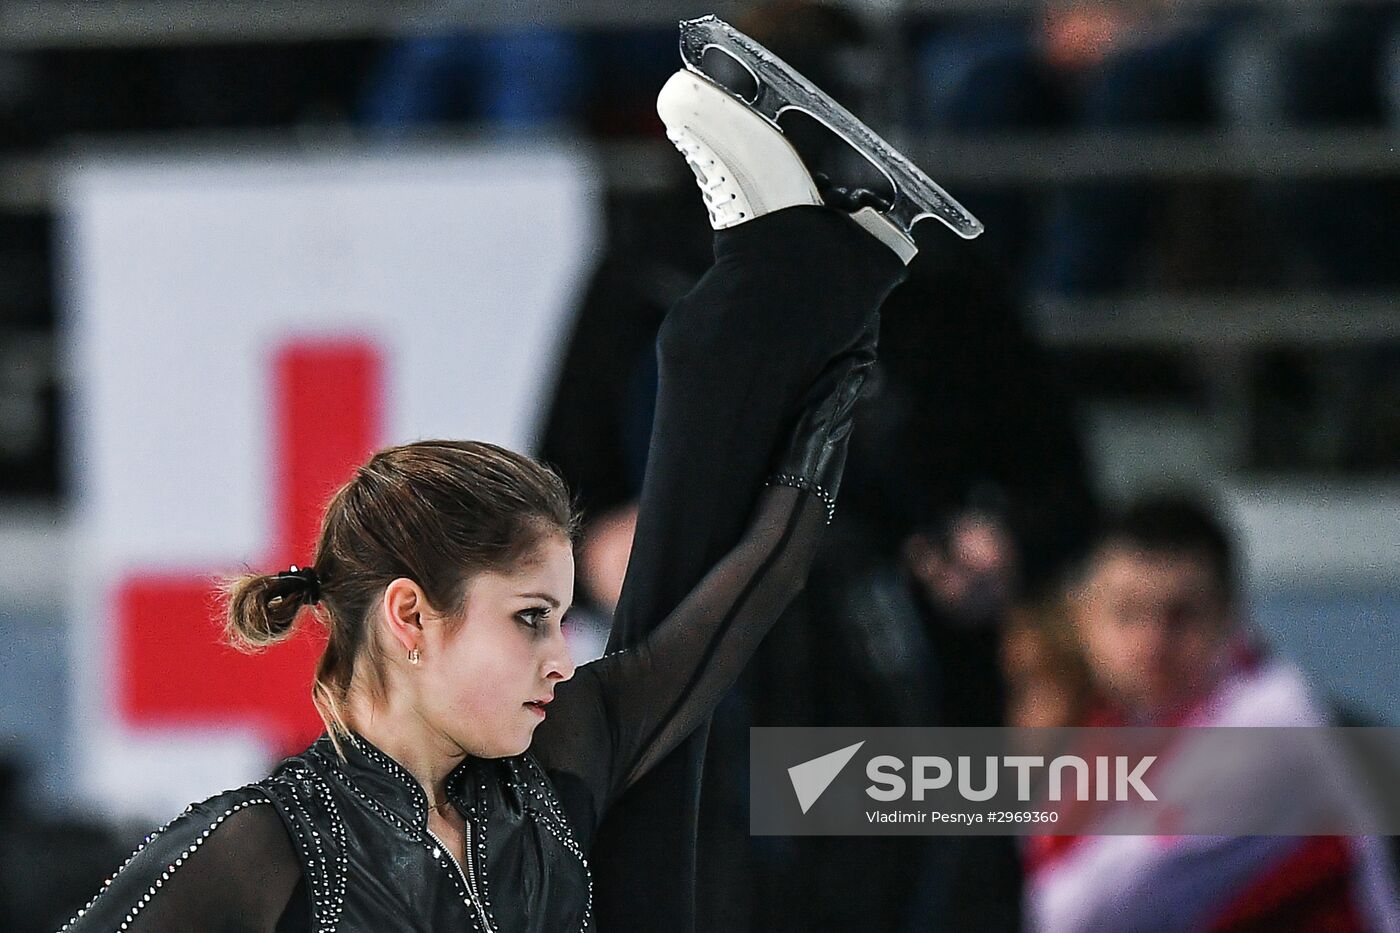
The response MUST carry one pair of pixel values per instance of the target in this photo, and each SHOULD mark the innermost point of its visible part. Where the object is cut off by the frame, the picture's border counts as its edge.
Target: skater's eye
(534, 617)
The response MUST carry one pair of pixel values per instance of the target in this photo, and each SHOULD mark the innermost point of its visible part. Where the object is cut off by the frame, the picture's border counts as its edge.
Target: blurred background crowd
(1131, 457)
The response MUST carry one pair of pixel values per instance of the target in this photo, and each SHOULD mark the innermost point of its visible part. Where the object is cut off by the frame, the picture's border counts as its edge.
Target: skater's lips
(542, 701)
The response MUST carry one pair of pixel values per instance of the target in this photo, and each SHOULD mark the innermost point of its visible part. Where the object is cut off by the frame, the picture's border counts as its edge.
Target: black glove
(815, 455)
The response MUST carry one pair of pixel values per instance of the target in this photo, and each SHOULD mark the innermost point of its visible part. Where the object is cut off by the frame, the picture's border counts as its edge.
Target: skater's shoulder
(318, 761)
(226, 855)
(298, 786)
(235, 799)
(244, 820)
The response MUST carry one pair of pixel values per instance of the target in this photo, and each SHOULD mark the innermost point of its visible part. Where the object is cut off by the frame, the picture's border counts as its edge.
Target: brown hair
(435, 512)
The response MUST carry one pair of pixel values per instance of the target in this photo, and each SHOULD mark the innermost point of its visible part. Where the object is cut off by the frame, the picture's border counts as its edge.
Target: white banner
(432, 286)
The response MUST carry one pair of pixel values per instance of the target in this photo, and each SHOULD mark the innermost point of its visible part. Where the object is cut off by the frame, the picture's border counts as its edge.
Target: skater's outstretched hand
(815, 457)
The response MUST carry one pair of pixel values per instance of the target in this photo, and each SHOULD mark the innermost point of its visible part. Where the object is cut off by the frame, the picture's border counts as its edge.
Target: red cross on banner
(174, 668)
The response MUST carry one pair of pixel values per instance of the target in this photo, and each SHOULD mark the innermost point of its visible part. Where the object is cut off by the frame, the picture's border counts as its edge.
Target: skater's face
(480, 674)
(1154, 627)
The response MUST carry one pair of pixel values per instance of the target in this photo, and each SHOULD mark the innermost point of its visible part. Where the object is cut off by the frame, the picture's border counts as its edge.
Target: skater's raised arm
(225, 864)
(623, 713)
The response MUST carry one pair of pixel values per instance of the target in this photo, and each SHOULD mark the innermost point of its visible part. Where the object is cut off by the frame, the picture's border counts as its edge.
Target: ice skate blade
(780, 88)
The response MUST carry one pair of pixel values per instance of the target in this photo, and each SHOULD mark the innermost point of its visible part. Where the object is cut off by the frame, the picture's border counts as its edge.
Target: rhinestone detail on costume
(816, 489)
(480, 910)
(170, 869)
(552, 818)
(326, 873)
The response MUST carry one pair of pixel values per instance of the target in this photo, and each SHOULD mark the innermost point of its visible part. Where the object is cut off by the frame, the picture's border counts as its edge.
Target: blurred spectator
(1047, 684)
(522, 79)
(1155, 612)
(1147, 69)
(514, 80)
(1317, 70)
(1103, 66)
(985, 75)
(1323, 70)
(1091, 66)
(976, 471)
(603, 556)
(971, 466)
(1158, 618)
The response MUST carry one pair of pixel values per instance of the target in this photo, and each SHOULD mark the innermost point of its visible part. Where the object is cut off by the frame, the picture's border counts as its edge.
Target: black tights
(786, 294)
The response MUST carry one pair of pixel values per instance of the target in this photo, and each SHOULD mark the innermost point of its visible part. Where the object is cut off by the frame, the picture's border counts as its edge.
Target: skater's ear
(401, 613)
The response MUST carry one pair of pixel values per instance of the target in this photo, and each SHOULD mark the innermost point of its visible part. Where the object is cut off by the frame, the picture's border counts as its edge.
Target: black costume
(771, 337)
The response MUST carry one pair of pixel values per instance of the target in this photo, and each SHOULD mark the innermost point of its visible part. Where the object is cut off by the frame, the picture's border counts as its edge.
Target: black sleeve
(223, 865)
(624, 712)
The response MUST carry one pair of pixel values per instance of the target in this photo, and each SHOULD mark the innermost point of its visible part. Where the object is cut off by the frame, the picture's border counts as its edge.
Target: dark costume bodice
(371, 863)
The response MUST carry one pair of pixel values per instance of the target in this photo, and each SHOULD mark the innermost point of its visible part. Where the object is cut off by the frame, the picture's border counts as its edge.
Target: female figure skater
(467, 763)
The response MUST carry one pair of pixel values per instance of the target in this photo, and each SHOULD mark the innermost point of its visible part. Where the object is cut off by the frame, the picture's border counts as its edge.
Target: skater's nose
(559, 661)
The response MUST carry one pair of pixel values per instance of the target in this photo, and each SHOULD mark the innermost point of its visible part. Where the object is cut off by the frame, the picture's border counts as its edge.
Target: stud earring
(414, 656)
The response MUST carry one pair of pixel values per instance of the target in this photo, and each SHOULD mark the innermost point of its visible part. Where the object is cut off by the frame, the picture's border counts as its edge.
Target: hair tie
(308, 576)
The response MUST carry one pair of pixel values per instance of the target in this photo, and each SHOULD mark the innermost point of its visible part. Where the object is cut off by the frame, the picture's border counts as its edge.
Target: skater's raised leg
(795, 285)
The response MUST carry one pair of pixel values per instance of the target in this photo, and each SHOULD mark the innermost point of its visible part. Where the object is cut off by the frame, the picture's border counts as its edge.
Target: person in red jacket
(1157, 616)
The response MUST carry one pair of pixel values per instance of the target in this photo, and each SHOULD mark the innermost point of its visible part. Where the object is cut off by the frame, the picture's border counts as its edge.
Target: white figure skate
(780, 88)
(744, 169)
(744, 164)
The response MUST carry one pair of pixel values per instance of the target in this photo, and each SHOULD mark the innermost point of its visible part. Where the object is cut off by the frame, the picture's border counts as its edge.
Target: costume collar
(379, 779)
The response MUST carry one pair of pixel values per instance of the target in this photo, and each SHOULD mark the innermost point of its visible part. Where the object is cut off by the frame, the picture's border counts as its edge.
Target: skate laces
(720, 191)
